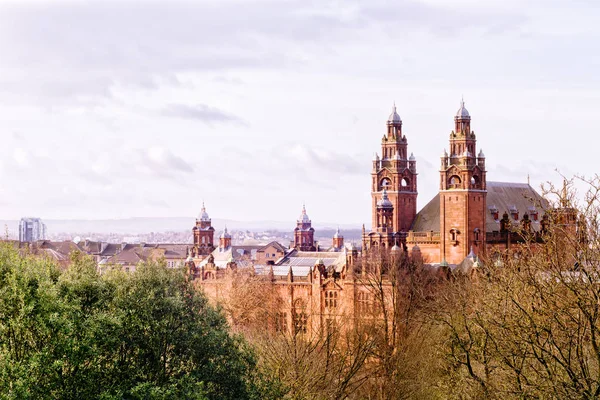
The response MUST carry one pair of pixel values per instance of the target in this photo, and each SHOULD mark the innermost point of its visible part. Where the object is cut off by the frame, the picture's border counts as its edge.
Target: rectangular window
(300, 322)
(331, 299)
(281, 322)
(363, 303)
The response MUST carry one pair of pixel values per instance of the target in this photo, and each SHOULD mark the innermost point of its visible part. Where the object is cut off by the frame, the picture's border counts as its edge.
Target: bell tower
(463, 193)
(304, 233)
(203, 234)
(396, 173)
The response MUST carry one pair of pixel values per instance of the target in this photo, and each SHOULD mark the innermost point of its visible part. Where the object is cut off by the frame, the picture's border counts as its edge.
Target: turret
(224, 240)
(338, 240)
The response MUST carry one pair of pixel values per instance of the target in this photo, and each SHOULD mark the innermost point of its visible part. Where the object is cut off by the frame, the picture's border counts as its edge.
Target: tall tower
(395, 172)
(393, 183)
(304, 233)
(203, 234)
(462, 193)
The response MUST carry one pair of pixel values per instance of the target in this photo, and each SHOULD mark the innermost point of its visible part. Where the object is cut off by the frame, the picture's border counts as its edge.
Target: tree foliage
(145, 335)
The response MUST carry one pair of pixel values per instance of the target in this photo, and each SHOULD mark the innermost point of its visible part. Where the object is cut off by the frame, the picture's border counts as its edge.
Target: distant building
(31, 230)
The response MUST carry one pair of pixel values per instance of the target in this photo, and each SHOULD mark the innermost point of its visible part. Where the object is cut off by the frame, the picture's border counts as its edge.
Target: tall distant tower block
(463, 193)
(393, 188)
(203, 234)
(31, 230)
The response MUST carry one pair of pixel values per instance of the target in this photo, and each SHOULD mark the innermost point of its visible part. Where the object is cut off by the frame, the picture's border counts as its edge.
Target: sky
(116, 109)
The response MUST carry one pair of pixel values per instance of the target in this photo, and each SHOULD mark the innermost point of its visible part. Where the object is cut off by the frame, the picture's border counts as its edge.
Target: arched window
(385, 184)
(454, 234)
(454, 182)
(405, 182)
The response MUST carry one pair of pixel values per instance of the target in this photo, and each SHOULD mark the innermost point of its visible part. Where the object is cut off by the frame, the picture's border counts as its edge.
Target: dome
(225, 234)
(396, 248)
(337, 234)
(462, 111)
(394, 117)
(385, 201)
(397, 156)
(412, 157)
(481, 155)
(303, 216)
(203, 216)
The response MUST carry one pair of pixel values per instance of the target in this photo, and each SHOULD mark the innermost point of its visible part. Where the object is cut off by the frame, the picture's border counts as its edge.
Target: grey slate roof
(501, 195)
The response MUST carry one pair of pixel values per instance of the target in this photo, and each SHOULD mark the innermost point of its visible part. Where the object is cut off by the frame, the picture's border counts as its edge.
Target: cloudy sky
(112, 109)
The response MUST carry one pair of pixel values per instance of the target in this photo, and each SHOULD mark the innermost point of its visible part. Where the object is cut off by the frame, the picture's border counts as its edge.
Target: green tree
(149, 334)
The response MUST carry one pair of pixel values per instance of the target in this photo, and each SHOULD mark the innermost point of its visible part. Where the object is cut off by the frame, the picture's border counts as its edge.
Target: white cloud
(137, 108)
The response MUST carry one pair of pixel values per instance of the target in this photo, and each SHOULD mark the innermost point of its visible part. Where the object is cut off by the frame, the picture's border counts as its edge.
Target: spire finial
(462, 100)
(565, 194)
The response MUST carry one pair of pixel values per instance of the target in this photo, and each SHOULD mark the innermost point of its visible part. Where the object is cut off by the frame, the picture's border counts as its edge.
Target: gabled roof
(504, 196)
(278, 246)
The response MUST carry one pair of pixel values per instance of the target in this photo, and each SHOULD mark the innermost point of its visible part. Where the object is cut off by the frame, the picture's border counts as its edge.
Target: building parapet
(423, 237)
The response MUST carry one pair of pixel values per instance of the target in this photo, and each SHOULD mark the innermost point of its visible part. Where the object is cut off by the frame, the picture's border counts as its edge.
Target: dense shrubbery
(145, 335)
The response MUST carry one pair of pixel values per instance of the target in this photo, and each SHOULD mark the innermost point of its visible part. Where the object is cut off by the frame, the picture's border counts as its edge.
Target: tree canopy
(149, 334)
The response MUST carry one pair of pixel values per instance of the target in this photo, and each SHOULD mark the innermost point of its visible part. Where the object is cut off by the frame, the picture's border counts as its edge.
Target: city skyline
(104, 118)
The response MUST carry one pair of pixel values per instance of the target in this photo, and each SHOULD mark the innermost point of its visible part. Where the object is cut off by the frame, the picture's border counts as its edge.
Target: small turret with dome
(338, 240)
(304, 232)
(462, 121)
(224, 240)
(385, 201)
(385, 213)
(462, 112)
(203, 233)
(394, 118)
(203, 216)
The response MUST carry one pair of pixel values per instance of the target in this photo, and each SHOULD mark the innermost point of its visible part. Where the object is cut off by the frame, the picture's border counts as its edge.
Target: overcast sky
(135, 108)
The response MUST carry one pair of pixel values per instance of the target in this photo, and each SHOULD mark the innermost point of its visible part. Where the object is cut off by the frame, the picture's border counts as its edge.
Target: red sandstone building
(465, 215)
(470, 218)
